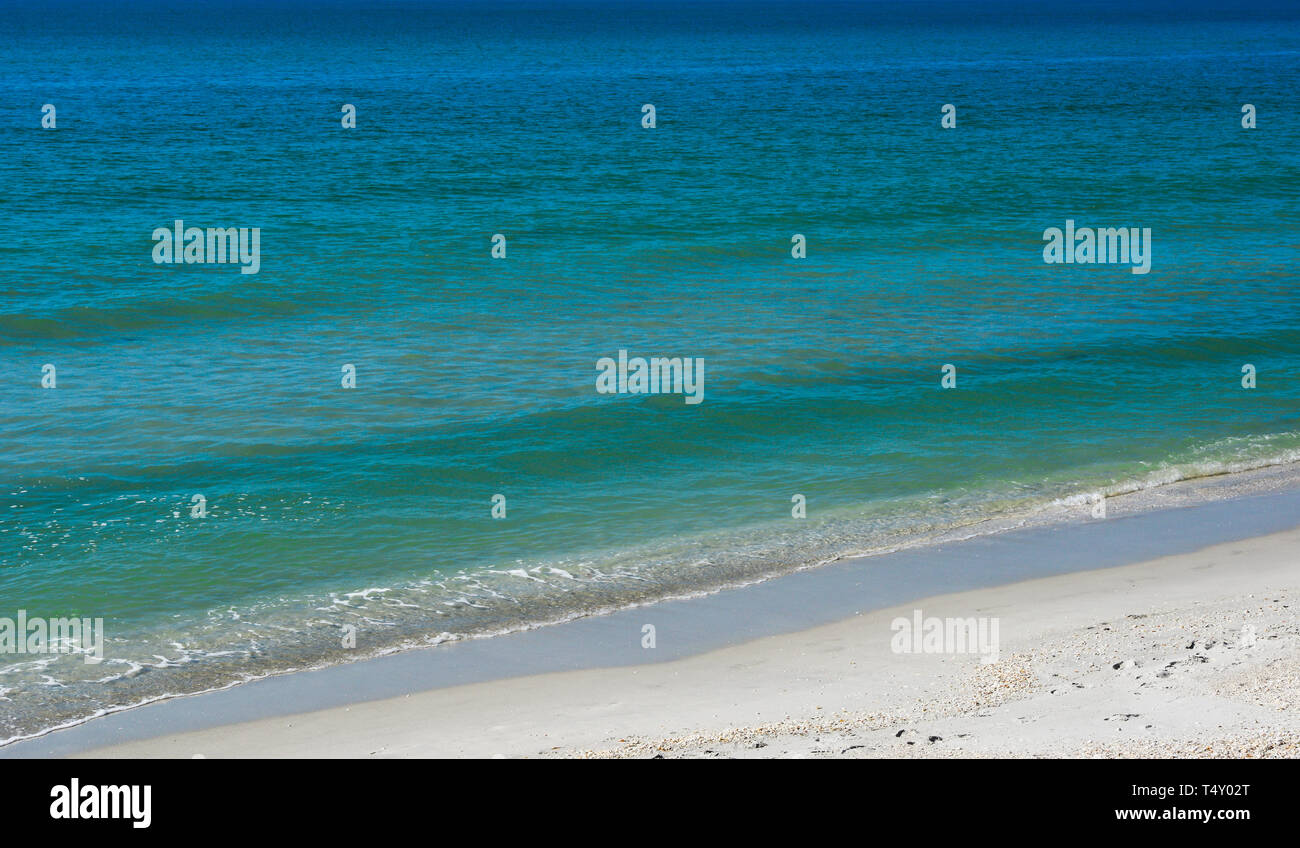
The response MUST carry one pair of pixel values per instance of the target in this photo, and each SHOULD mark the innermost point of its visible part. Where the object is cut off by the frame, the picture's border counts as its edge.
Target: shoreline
(1159, 489)
(790, 607)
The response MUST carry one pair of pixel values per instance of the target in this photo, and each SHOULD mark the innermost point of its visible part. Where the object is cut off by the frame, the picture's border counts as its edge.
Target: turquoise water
(370, 507)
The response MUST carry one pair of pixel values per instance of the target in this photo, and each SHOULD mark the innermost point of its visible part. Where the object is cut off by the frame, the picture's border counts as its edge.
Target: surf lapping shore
(782, 656)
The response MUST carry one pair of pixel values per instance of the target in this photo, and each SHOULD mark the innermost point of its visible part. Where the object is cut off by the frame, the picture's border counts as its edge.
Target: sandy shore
(1195, 654)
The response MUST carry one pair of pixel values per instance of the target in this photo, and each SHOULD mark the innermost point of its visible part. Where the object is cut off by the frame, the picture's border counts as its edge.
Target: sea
(391, 435)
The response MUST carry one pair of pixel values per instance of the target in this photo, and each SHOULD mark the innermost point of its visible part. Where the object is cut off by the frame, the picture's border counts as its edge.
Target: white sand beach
(1190, 655)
